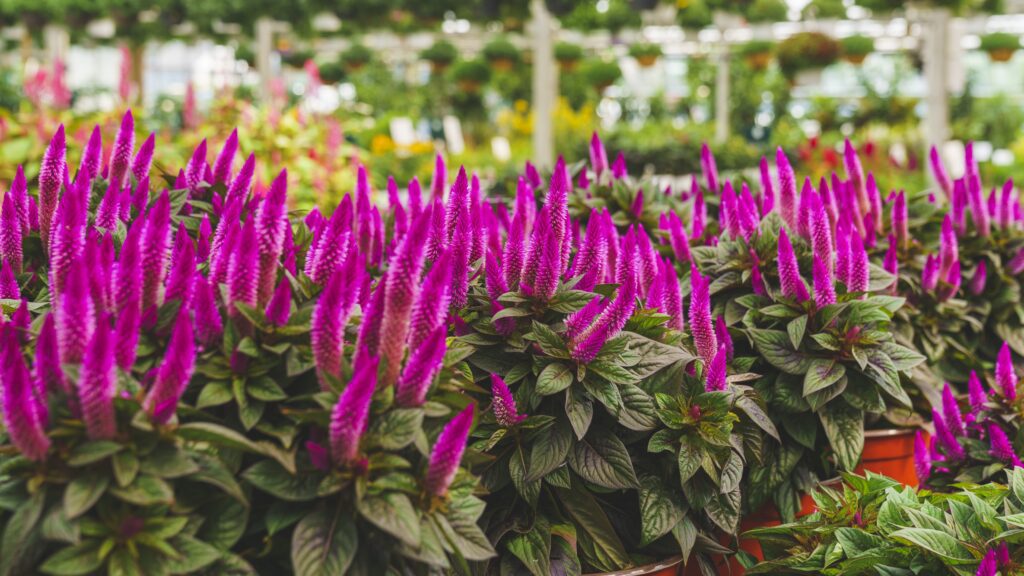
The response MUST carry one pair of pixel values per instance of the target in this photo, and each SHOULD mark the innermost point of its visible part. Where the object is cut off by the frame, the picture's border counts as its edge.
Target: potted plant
(694, 15)
(568, 55)
(824, 10)
(332, 71)
(806, 53)
(296, 58)
(856, 48)
(757, 53)
(592, 408)
(600, 73)
(645, 54)
(1000, 46)
(356, 56)
(767, 11)
(441, 54)
(470, 75)
(501, 53)
(873, 521)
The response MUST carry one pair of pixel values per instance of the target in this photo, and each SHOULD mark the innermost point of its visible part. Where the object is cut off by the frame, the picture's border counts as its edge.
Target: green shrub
(441, 52)
(356, 55)
(601, 73)
(767, 11)
(471, 71)
(857, 45)
(755, 47)
(1000, 41)
(806, 51)
(568, 52)
(644, 50)
(501, 49)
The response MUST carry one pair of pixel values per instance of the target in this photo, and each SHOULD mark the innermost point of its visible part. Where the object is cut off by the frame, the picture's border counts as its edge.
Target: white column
(722, 22)
(545, 85)
(264, 47)
(57, 41)
(936, 71)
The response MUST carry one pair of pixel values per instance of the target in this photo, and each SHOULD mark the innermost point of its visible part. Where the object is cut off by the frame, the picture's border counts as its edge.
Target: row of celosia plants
(641, 373)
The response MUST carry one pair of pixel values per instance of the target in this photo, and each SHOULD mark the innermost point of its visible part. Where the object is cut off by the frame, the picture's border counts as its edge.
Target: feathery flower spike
(976, 393)
(144, 159)
(279, 308)
(98, 384)
(51, 174)
(951, 412)
(1006, 377)
(940, 173)
(153, 248)
(922, 459)
(503, 404)
(1001, 447)
(121, 153)
(598, 156)
(49, 374)
(946, 439)
(89, 166)
(423, 365)
(224, 163)
(789, 271)
(824, 289)
(447, 453)
(351, 414)
(708, 167)
(787, 189)
(701, 326)
(716, 372)
(22, 418)
(174, 373)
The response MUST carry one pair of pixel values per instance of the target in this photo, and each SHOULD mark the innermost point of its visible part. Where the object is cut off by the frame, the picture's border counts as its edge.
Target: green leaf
(74, 560)
(215, 393)
(601, 458)
(882, 371)
(660, 509)
(218, 436)
(533, 548)
(902, 358)
(856, 541)
(126, 466)
(397, 428)
(528, 490)
(168, 461)
(20, 531)
(213, 472)
(638, 411)
(591, 522)
(550, 342)
(193, 555)
(554, 378)
(690, 456)
(796, 329)
(270, 477)
(145, 490)
(844, 427)
(264, 388)
(653, 355)
(93, 451)
(549, 451)
(757, 415)
(934, 541)
(510, 313)
(776, 348)
(580, 410)
(225, 523)
(732, 472)
(393, 513)
(460, 527)
(821, 374)
(83, 491)
(58, 527)
(323, 544)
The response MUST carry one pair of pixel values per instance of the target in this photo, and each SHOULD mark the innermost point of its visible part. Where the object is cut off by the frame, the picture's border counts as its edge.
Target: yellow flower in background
(381, 144)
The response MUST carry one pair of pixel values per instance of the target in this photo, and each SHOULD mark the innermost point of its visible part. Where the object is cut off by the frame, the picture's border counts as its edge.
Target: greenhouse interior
(511, 288)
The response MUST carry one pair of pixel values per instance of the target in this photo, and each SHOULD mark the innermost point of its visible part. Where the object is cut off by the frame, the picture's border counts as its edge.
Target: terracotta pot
(438, 66)
(568, 65)
(503, 64)
(1001, 54)
(670, 567)
(890, 452)
(856, 59)
(769, 516)
(759, 60)
(469, 86)
(647, 60)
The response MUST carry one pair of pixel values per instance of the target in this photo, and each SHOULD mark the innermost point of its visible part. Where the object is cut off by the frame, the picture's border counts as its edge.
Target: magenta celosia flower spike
(789, 271)
(97, 385)
(183, 266)
(842, 239)
(976, 393)
(403, 282)
(724, 337)
(988, 565)
(891, 261)
(89, 166)
(352, 413)
(506, 413)
(952, 285)
(532, 176)
(900, 226)
(279, 308)
(930, 273)
(922, 459)
(619, 169)
(327, 326)
(224, 164)
(593, 255)
(678, 240)
(1006, 377)
(700, 215)
(458, 203)
(701, 326)
(514, 251)
(951, 412)
(611, 321)
(1001, 447)
(824, 288)
(153, 249)
(76, 314)
(767, 188)
(787, 189)
(23, 417)
(598, 156)
(855, 174)
(196, 168)
(109, 211)
(424, 362)
(708, 167)
(67, 239)
(860, 272)
(439, 179)
(946, 439)
(821, 232)
(174, 372)
(11, 234)
(806, 200)
(144, 159)
(977, 283)
(271, 221)
(447, 453)
(48, 371)
(460, 249)
(51, 175)
(672, 296)
(121, 153)
(715, 372)
(209, 326)
(431, 308)
(939, 172)
(243, 277)
(9, 289)
(19, 196)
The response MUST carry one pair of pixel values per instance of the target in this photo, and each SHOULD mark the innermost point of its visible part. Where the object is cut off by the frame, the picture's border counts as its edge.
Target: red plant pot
(890, 452)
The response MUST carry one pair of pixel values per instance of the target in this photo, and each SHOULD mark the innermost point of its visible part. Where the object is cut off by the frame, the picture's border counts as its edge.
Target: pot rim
(641, 570)
(886, 432)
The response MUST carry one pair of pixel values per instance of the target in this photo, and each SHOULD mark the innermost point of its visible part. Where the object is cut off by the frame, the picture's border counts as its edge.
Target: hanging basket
(855, 59)
(647, 60)
(759, 60)
(1001, 54)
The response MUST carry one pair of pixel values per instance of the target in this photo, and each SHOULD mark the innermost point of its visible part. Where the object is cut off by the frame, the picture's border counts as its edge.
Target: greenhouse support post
(722, 22)
(936, 71)
(264, 46)
(545, 85)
